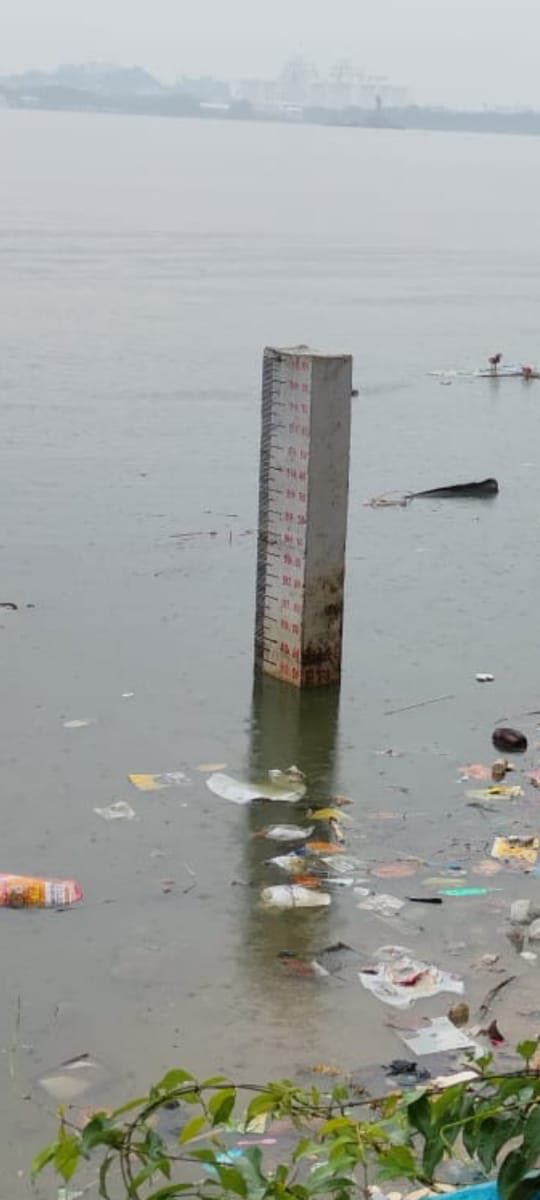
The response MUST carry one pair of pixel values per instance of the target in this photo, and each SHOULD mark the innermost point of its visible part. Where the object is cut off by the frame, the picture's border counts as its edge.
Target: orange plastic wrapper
(25, 891)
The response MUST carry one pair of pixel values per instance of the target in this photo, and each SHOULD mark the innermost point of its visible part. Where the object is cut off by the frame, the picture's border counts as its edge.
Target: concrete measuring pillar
(303, 494)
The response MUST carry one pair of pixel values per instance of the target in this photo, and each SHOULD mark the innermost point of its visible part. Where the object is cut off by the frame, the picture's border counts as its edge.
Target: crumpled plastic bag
(280, 785)
(293, 896)
(381, 904)
(399, 980)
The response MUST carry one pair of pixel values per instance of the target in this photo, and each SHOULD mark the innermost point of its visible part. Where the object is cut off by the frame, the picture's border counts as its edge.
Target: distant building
(300, 86)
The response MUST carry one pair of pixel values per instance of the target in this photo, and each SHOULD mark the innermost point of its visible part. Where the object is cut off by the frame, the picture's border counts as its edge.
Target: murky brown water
(143, 266)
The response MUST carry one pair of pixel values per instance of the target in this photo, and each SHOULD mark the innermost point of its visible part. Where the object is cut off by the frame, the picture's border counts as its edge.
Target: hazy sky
(460, 51)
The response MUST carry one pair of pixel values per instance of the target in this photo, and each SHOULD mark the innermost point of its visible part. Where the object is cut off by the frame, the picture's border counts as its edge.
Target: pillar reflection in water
(289, 727)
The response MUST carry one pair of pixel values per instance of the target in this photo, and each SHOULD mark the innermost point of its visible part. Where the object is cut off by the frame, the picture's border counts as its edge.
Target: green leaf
(433, 1154)
(334, 1124)
(103, 1172)
(419, 1114)
(231, 1179)
(397, 1161)
(151, 1168)
(66, 1156)
(170, 1191)
(221, 1106)
(527, 1049)
(306, 1146)
(487, 1142)
(511, 1174)
(203, 1155)
(531, 1135)
(260, 1104)
(191, 1130)
(214, 1081)
(174, 1079)
(43, 1159)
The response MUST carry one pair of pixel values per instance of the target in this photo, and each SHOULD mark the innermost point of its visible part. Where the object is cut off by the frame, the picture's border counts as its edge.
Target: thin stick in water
(420, 704)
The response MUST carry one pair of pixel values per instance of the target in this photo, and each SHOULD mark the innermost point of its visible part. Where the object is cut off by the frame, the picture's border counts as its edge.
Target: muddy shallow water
(138, 290)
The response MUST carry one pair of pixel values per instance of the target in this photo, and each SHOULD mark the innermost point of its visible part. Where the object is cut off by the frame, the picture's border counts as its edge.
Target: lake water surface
(144, 264)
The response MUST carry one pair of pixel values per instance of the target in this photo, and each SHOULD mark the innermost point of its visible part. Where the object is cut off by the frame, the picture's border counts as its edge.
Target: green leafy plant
(339, 1142)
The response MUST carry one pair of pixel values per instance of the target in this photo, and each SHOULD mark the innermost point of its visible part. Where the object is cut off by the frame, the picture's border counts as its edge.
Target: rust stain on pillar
(303, 498)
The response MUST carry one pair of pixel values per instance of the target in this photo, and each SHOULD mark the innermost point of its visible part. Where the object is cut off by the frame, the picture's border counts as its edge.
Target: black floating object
(482, 490)
(424, 899)
(511, 741)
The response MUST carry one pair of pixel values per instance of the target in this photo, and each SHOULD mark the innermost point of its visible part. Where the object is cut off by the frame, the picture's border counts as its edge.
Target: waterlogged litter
(399, 980)
(486, 866)
(468, 891)
(155, 783)
(286, 786)
(476, 771)
(397, 870)
(23, 891)
(484, 677)
(511, 792)
(119, 811)
(293, 864)
(382, 905)
(80, 723)
(284, 897)
(301, 968)
(438, 1035)
(73, 1078)
(328, 814)
(286, 833)
(324, 848)
(342, 866)
(509, 741)
(517, 849)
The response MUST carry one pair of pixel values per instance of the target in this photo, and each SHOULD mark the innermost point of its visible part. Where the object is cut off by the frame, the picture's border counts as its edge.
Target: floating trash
(380, 904)
(293, 896)
(511, 741)
(278, 786)
(397, 870)
(80, 723)
(23, 891)
(72, 1078)
(286, 833)
(119, 811)
(486, 866)
(468, 891)
(484, 677)
(510, 791)
(155, 783)
(324, 848)
(293, 864)
(438, 1035)
(521, 849)
(399, 980)
(328, 814)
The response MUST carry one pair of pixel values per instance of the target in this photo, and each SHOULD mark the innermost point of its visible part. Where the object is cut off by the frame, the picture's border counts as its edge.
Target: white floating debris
(282, 897)
(381, 904)
(287, 833)
(484, 677)
(399, 980)
(438, 1036)
(79, 724)
(119, 811)
(239, 792)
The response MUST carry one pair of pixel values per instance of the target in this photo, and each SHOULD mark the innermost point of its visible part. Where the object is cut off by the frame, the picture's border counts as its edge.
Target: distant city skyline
(457, 52)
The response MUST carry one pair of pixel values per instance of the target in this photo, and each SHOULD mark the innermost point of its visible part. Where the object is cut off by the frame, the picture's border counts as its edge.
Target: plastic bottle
(24, 891)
